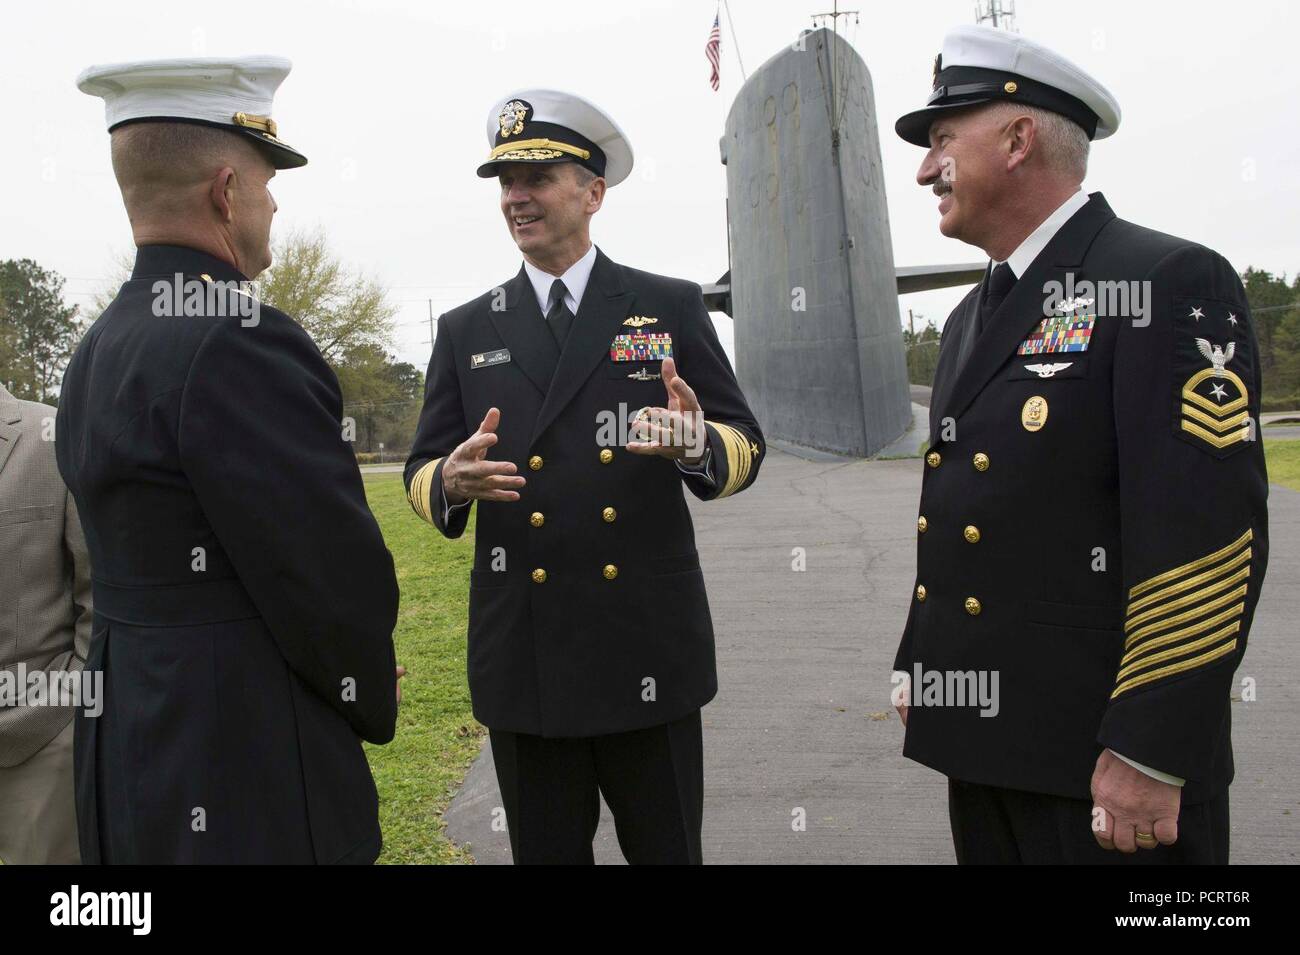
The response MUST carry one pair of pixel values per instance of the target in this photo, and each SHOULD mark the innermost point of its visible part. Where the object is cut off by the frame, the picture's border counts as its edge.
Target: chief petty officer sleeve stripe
(1196, 590)
(419, 493)
(739, 457)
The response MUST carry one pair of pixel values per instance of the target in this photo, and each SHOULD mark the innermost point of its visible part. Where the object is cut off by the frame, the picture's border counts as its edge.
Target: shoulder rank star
(639, 321)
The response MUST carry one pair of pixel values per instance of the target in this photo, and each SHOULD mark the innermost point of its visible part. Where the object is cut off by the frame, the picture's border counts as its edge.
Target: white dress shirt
(1036, 241)
(575, 280)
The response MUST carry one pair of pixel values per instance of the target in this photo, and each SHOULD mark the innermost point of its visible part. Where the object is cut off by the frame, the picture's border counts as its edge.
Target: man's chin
(949, 226)
(525, 243)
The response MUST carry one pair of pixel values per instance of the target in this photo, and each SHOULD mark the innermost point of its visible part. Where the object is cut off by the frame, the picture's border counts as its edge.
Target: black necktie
(558, 316)
(998, 284)
(1001, 281)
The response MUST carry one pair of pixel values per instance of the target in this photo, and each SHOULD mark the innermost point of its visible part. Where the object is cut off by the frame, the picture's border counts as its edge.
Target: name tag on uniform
(640, 346)
(486, 358)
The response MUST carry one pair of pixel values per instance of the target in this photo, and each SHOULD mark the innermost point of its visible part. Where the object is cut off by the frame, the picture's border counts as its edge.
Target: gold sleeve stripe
(1191, 567)
(736, 444)
(1187, 600)
(1185, 618)
(419, 493)
(1138, 635)
(1175, 668)
(413, 494)
(1209, 623)
(1179, 651)
(1190, 582)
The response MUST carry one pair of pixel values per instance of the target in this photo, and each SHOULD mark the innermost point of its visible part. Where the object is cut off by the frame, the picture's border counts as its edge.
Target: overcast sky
(388, 98)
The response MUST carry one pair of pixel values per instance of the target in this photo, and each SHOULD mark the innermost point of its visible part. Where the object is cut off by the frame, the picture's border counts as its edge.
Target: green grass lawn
(437, 738)
(1283, 462)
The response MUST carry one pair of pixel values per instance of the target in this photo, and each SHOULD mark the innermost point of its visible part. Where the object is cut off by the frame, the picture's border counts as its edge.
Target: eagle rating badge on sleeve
(1212, 363)
(640, 346)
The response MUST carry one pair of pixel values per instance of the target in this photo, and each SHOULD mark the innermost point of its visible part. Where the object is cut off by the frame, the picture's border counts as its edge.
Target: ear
(595, 195)
(221, 192)
(1020, 139)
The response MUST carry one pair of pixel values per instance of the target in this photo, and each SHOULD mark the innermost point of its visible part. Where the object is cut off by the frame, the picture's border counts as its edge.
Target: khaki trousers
(38, 816)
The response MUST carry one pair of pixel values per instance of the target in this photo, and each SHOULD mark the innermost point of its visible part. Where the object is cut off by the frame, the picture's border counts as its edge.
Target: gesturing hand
(676, 431)
(1132, 810)
(467, 474)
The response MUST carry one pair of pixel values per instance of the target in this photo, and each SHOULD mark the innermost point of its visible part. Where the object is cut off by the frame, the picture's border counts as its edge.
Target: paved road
(803, 719)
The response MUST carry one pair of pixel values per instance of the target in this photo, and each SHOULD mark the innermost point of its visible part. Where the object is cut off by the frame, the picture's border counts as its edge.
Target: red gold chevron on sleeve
(1185, 618)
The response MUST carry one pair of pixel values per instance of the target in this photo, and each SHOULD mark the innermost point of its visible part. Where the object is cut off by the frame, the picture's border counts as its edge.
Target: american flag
(711, 50)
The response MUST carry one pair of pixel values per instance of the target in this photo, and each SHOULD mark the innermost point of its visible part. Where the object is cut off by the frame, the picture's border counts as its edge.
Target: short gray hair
(582, 174)
(1063, 141)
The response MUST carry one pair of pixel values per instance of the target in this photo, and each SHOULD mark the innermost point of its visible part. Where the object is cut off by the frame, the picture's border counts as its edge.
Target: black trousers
(652, 779)
(996, 826)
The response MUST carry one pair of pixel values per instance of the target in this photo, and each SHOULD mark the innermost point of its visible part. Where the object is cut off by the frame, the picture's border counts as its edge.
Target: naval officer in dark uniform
(244, 599)
(1092, 535)
(590, 640)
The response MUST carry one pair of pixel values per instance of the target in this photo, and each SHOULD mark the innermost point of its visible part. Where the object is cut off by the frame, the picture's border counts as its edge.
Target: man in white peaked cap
(590, 638)
(1092, 534)
(243, 598)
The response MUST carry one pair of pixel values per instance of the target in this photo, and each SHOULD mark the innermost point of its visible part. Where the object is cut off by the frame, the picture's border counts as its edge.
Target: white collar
(1032, 247)
(575, 280)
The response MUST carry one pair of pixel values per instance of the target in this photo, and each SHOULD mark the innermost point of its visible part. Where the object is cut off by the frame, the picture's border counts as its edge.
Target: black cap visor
(279, 154)
(961, 86)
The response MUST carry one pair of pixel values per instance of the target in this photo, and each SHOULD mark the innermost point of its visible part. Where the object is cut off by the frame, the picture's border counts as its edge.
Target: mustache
(941, 188)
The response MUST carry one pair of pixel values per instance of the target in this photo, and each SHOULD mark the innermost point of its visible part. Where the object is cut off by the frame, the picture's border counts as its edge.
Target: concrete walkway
(803, 721)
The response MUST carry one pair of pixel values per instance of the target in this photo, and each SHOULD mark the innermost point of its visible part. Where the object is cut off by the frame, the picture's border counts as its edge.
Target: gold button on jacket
(610, 571)
(535, 462)
(972, 534)
(933, 459)
(981, 461)
(920, 592)
(606, 455)
(539, 576)
(922, 523)
(609, 514)
(973, 606)
(537, 519)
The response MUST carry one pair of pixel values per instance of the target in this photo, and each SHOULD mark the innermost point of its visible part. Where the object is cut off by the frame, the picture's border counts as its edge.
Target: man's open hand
(467, 474)
(1132, 810)
(676, 431)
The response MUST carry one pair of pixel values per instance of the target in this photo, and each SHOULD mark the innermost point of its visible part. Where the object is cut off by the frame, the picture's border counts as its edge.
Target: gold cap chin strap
(265, 123)
(539, 144)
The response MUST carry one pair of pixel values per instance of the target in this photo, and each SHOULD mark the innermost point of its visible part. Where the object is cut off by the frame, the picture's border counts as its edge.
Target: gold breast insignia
(640, 321)
(1034, 414)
